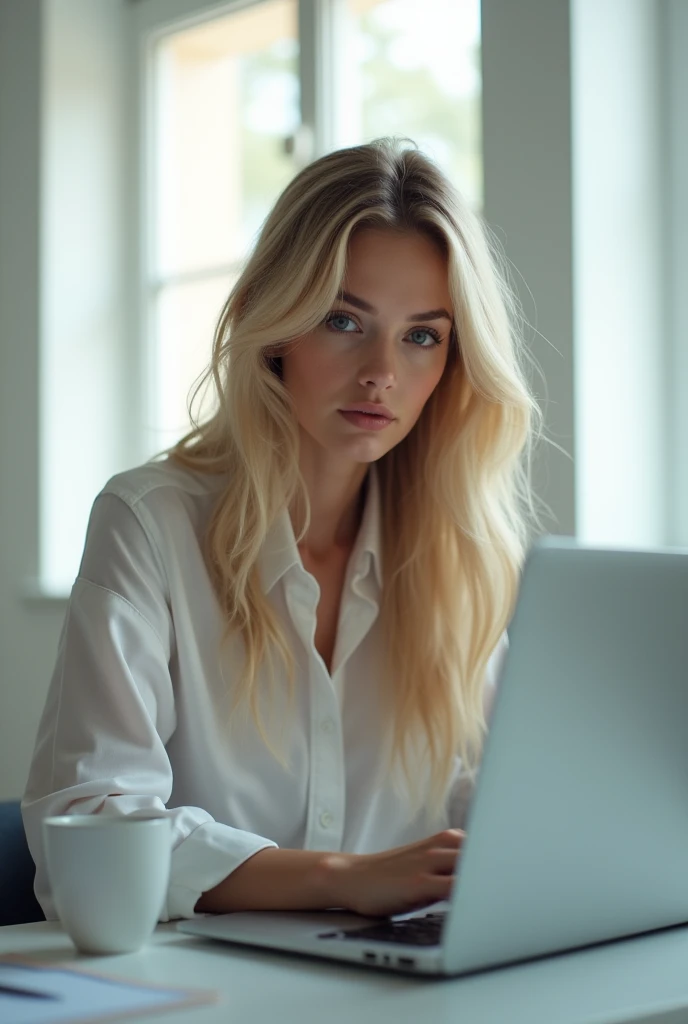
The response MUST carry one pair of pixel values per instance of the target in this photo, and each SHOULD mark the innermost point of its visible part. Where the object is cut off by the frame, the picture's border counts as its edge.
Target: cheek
(312, 370)
(422, 386)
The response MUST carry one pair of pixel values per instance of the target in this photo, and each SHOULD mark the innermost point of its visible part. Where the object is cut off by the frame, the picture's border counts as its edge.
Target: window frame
(150, 21)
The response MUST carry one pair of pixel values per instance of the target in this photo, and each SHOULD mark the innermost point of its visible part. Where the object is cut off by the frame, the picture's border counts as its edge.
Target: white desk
(643, 979)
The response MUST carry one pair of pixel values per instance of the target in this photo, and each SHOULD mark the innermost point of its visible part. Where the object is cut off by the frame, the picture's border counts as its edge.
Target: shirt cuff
(207, 855)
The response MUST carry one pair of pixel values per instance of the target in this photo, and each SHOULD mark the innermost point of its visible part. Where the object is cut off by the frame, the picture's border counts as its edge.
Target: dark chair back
(18, 904)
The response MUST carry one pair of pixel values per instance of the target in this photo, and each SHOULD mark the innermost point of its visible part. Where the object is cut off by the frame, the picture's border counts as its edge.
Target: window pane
(227, 95)
(184, 325)
(413, 69)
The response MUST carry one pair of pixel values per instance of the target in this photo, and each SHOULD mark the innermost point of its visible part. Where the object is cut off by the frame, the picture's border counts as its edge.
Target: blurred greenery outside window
(227, 102)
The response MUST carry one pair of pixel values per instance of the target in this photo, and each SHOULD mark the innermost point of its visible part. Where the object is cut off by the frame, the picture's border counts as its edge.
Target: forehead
(407, 268)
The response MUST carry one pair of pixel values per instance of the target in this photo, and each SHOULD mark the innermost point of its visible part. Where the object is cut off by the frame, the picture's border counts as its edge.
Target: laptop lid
(578, 831)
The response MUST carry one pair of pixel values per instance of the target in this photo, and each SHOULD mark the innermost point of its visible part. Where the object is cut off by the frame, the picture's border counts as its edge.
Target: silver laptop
(578, 829)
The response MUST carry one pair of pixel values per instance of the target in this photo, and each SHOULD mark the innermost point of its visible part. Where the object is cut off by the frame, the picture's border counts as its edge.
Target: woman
(285, 633)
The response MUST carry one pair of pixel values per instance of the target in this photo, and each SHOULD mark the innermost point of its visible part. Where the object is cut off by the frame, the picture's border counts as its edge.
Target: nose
(379, 367)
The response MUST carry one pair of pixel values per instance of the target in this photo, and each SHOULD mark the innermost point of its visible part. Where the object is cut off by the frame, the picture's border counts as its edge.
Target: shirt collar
(280, 552)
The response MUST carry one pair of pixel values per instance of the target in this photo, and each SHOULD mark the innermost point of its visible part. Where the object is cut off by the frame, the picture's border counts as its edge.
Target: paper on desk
(83, 997)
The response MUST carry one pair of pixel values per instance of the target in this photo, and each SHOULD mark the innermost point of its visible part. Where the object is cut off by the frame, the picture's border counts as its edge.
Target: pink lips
(365, 420)
(371, 408)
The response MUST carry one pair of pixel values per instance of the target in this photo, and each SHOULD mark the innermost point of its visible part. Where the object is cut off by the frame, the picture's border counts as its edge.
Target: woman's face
(385, 341)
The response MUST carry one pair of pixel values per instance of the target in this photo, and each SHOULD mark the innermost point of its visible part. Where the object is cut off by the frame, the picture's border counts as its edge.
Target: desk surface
(642, 979)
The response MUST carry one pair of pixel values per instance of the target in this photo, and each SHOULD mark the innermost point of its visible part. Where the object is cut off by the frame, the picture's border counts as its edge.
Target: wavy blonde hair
(456, 500)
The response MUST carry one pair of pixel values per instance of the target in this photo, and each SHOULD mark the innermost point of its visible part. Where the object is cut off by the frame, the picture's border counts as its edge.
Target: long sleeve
(110, 712)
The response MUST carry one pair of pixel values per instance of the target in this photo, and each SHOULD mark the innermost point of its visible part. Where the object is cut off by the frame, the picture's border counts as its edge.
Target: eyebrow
(429, 314)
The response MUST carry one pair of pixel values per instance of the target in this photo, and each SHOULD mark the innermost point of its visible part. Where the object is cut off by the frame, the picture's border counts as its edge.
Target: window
(238, 101)
(413, 69)
(225, 99)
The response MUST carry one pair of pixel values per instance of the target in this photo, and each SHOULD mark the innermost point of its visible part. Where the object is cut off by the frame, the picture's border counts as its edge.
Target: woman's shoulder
(161, 501)
(146, 517)
(142, 483)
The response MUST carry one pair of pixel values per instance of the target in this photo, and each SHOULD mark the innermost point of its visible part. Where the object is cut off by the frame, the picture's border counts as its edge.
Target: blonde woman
(285, 632)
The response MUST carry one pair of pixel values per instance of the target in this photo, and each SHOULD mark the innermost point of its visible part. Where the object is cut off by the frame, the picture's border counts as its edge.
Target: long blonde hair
(456, 500)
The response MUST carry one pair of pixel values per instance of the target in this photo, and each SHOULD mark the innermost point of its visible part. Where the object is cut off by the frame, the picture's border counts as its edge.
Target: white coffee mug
(109, 877)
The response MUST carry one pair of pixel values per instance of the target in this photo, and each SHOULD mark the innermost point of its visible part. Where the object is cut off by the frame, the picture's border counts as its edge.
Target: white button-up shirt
(137, 714)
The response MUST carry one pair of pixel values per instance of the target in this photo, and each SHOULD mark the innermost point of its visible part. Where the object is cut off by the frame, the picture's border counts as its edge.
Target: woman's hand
(378, 884)
(396, 881)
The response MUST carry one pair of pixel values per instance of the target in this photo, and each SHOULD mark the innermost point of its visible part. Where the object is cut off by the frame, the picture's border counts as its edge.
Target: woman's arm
(111, 710)
(392, 882)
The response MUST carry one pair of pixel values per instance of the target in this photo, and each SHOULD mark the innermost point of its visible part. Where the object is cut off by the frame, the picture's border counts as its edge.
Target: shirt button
(327, 725)
(326, 819)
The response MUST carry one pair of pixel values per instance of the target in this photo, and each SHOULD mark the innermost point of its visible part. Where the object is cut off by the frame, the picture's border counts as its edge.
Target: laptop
(577, 832)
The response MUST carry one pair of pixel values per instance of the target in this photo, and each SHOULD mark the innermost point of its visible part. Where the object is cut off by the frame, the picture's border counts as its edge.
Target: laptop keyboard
(414, 931)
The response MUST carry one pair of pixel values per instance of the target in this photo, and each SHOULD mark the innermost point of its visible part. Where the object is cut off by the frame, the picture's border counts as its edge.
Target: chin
(369, 452)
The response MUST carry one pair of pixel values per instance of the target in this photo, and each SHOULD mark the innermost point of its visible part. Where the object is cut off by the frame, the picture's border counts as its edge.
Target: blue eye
(342, 323)
(425, 333)
(338, 322)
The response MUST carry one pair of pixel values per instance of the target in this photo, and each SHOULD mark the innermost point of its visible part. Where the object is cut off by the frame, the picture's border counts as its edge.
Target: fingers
(435, 888)
(441, 862)
(451, 838)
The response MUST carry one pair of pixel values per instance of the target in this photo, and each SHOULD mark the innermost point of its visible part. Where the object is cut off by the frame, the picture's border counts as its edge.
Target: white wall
(575, 164)
(619, 271)
(27, 635)
(84, 308)
(528, 202)
(675, 180)
(60, 286)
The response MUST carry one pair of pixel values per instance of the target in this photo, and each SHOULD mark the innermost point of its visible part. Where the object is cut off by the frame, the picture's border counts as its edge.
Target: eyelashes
(338, 314)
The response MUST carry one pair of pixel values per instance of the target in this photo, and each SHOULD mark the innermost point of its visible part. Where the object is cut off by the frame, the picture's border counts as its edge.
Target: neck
(337, 498)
